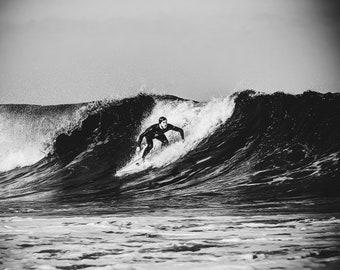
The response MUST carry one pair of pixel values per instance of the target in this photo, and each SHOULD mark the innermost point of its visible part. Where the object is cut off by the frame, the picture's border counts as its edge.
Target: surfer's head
(163, 123)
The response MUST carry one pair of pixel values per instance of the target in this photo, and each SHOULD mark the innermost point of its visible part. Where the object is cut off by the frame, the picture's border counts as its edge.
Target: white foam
(24, 137)
(19, 157)
(197, 120)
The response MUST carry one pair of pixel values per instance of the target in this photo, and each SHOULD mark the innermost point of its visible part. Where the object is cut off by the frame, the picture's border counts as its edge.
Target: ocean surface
(254, 185)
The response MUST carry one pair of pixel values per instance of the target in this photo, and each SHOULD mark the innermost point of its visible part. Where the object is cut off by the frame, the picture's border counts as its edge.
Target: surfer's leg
(148, 147)
(163, 139)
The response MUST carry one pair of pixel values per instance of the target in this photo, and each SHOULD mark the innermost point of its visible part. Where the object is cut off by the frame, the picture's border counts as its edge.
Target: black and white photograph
(169, 134)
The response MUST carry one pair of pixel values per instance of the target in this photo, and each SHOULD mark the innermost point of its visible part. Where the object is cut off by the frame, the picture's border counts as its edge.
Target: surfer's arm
(174, 128)
(140, 139)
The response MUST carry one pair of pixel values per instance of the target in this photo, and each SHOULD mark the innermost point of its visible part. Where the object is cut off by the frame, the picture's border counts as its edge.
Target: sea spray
(27, 132)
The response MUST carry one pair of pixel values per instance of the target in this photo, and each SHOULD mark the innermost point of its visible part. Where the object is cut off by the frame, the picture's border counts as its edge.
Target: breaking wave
(249, 146)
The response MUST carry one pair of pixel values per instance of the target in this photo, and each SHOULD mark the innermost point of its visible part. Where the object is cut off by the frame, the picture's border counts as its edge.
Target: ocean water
(254, 185)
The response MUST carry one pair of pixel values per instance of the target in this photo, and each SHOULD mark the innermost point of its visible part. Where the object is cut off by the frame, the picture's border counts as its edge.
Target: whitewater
(198, 122)
(254, 185)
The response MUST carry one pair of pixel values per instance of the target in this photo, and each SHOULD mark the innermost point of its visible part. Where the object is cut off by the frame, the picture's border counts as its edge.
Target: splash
(27, 131)
(197, 120)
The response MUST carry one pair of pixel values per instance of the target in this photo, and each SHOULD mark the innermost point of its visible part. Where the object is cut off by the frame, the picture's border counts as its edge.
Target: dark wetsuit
(155, 132)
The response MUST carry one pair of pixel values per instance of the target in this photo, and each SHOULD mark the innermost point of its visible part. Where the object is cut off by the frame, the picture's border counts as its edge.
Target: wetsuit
(155, 132)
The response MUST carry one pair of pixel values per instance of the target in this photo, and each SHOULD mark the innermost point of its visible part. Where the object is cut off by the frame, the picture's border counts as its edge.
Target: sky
(70, 51)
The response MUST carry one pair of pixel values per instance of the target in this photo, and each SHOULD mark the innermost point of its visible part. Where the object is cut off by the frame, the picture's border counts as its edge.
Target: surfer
(157, 131)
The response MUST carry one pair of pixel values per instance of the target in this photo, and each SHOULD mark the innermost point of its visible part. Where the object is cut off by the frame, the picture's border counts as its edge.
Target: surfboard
(137, 164)
(133, 166)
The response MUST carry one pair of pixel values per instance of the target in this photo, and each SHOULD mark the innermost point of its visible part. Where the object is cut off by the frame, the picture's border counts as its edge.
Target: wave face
(246, 148)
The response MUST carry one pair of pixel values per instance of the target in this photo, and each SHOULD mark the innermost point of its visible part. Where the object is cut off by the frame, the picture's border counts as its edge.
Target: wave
(27, 129)
(249, 146)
